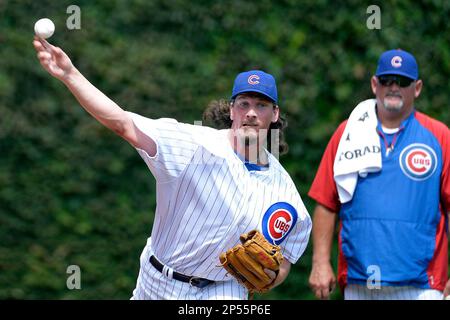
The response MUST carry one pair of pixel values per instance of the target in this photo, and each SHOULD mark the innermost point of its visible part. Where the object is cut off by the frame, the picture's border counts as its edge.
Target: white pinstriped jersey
(206, 198)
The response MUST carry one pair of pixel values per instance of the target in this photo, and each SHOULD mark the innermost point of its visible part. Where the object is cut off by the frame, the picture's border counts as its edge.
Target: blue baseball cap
(398, 62)
(255, 81)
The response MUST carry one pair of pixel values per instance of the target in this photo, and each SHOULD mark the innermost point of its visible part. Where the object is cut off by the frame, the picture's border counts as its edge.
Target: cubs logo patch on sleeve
(278, 221)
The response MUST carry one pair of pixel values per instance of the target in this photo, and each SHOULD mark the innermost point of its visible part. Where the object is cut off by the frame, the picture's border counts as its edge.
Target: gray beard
(392, 108)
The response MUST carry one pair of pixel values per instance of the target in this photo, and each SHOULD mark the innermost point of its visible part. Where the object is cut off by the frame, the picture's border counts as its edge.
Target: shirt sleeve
(296, 242)
(323, 189)
(442, 134)
(445, 178)
(176, 144)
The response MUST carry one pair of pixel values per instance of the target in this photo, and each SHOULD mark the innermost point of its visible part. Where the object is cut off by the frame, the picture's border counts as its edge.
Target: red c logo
(419, 161)
(279, 224)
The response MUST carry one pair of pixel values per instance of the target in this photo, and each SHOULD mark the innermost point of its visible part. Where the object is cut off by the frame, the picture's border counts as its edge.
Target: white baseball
(44, 28)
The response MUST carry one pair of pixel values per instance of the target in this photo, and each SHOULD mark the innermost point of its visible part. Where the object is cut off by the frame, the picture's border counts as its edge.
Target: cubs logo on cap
(278, 221)
(398, 62)
(418, 161)
(255, 81)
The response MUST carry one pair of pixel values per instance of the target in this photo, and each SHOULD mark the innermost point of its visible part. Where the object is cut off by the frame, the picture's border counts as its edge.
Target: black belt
(193, 281)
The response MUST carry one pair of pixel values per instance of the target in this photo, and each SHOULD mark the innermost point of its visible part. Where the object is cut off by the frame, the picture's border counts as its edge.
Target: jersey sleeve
(445, 177)
(176, 145)
(297, 240)
(323, 189)
(445, 181)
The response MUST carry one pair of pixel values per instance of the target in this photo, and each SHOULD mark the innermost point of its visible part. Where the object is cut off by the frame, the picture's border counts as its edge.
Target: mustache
(394, 94)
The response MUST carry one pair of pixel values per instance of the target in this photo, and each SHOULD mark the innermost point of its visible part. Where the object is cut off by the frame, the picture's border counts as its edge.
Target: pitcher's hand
(53, 59)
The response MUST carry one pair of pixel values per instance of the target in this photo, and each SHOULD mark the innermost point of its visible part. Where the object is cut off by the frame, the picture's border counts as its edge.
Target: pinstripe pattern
(206, 198)
(359, 292)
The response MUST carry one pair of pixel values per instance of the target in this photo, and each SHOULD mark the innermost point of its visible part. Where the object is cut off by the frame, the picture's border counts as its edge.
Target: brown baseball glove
(247, 261)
